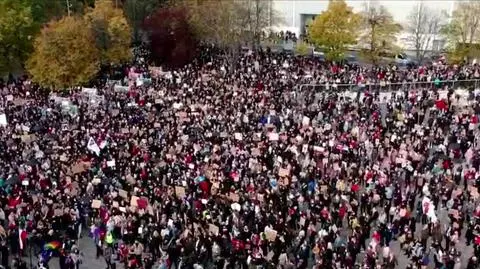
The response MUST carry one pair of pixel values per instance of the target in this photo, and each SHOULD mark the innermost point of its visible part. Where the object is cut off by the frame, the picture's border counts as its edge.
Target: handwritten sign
(134, 201)
(123, 194)
(96, 204)
(180, 191)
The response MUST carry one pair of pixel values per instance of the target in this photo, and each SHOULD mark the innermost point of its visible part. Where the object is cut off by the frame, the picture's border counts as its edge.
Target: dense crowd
(221, 165)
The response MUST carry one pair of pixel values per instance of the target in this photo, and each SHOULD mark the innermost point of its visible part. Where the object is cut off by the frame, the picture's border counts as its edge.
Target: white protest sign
(3, 120)
(89, 91)
(305, 121)
(273, 136)
(92, 145)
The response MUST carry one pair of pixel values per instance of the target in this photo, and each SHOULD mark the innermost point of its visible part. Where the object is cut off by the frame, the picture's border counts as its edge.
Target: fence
(386, 87)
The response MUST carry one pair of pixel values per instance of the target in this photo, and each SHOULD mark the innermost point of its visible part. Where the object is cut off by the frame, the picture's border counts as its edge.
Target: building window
(438, 44)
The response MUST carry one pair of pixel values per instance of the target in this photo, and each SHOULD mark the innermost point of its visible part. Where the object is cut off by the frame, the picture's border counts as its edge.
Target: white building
(297, 13)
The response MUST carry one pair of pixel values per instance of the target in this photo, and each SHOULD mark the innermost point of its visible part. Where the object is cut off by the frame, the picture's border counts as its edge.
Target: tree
(112, 32)
(45, 10)
(65, 54)
(302, 49)
(335, 29)
(230, 23)
(256, 16)
(171, 37)
(137, 11)
(380, 32)
(423, 24)
(219, 23)
(16, 31)
(463, 30)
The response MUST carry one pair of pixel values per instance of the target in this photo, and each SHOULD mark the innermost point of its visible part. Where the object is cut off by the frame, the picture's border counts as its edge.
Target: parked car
(400, 59)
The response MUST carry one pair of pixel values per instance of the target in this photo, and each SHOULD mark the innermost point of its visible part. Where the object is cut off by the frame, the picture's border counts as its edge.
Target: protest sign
(234, 197)
(92, 145)
(28, 138)
(283, 172)
(180, 191)
(273, 136)
(3, 120)
(134, 201)
(270, 234)
(213, 229)
(96, 204)
(123, 194)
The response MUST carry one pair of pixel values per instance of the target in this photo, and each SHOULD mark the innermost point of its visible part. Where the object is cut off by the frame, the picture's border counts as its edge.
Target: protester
(221, 164)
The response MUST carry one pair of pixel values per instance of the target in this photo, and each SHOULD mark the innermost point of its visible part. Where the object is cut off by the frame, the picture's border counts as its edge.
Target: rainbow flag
(54, 245)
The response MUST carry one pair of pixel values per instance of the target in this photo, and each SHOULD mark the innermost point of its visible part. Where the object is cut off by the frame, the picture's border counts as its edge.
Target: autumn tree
(302, 48)
(171, 37)
(16, 33)
(45, 10)
(335, 29)
(423, 24)
(112, 32)
(137, 11)
(65, 54)
(462, 32)
(380, 32)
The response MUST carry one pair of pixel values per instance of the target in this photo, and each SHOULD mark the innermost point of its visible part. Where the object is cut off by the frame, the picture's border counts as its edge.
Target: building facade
(297, 13)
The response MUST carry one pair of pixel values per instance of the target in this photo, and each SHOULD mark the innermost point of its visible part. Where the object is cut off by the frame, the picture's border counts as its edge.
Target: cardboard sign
(234, 197)
(123, 194)
(134, 201)
(283, 172)
(271, 234)
(180, 191)
(473, 192)
(213, 229)
(20, 102)
(80, 167)
(305, 121)
(96, 204)
(150, 210)
(273, 136)
(29, 138)
(238, 136)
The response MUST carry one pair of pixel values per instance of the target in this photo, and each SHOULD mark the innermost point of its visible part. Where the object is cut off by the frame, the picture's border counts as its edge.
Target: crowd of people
(232, 165)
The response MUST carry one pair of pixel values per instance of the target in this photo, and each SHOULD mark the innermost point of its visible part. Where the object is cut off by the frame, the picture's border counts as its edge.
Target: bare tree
(423, 24)
(380, 31)
(256, 16)
(463, 31)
